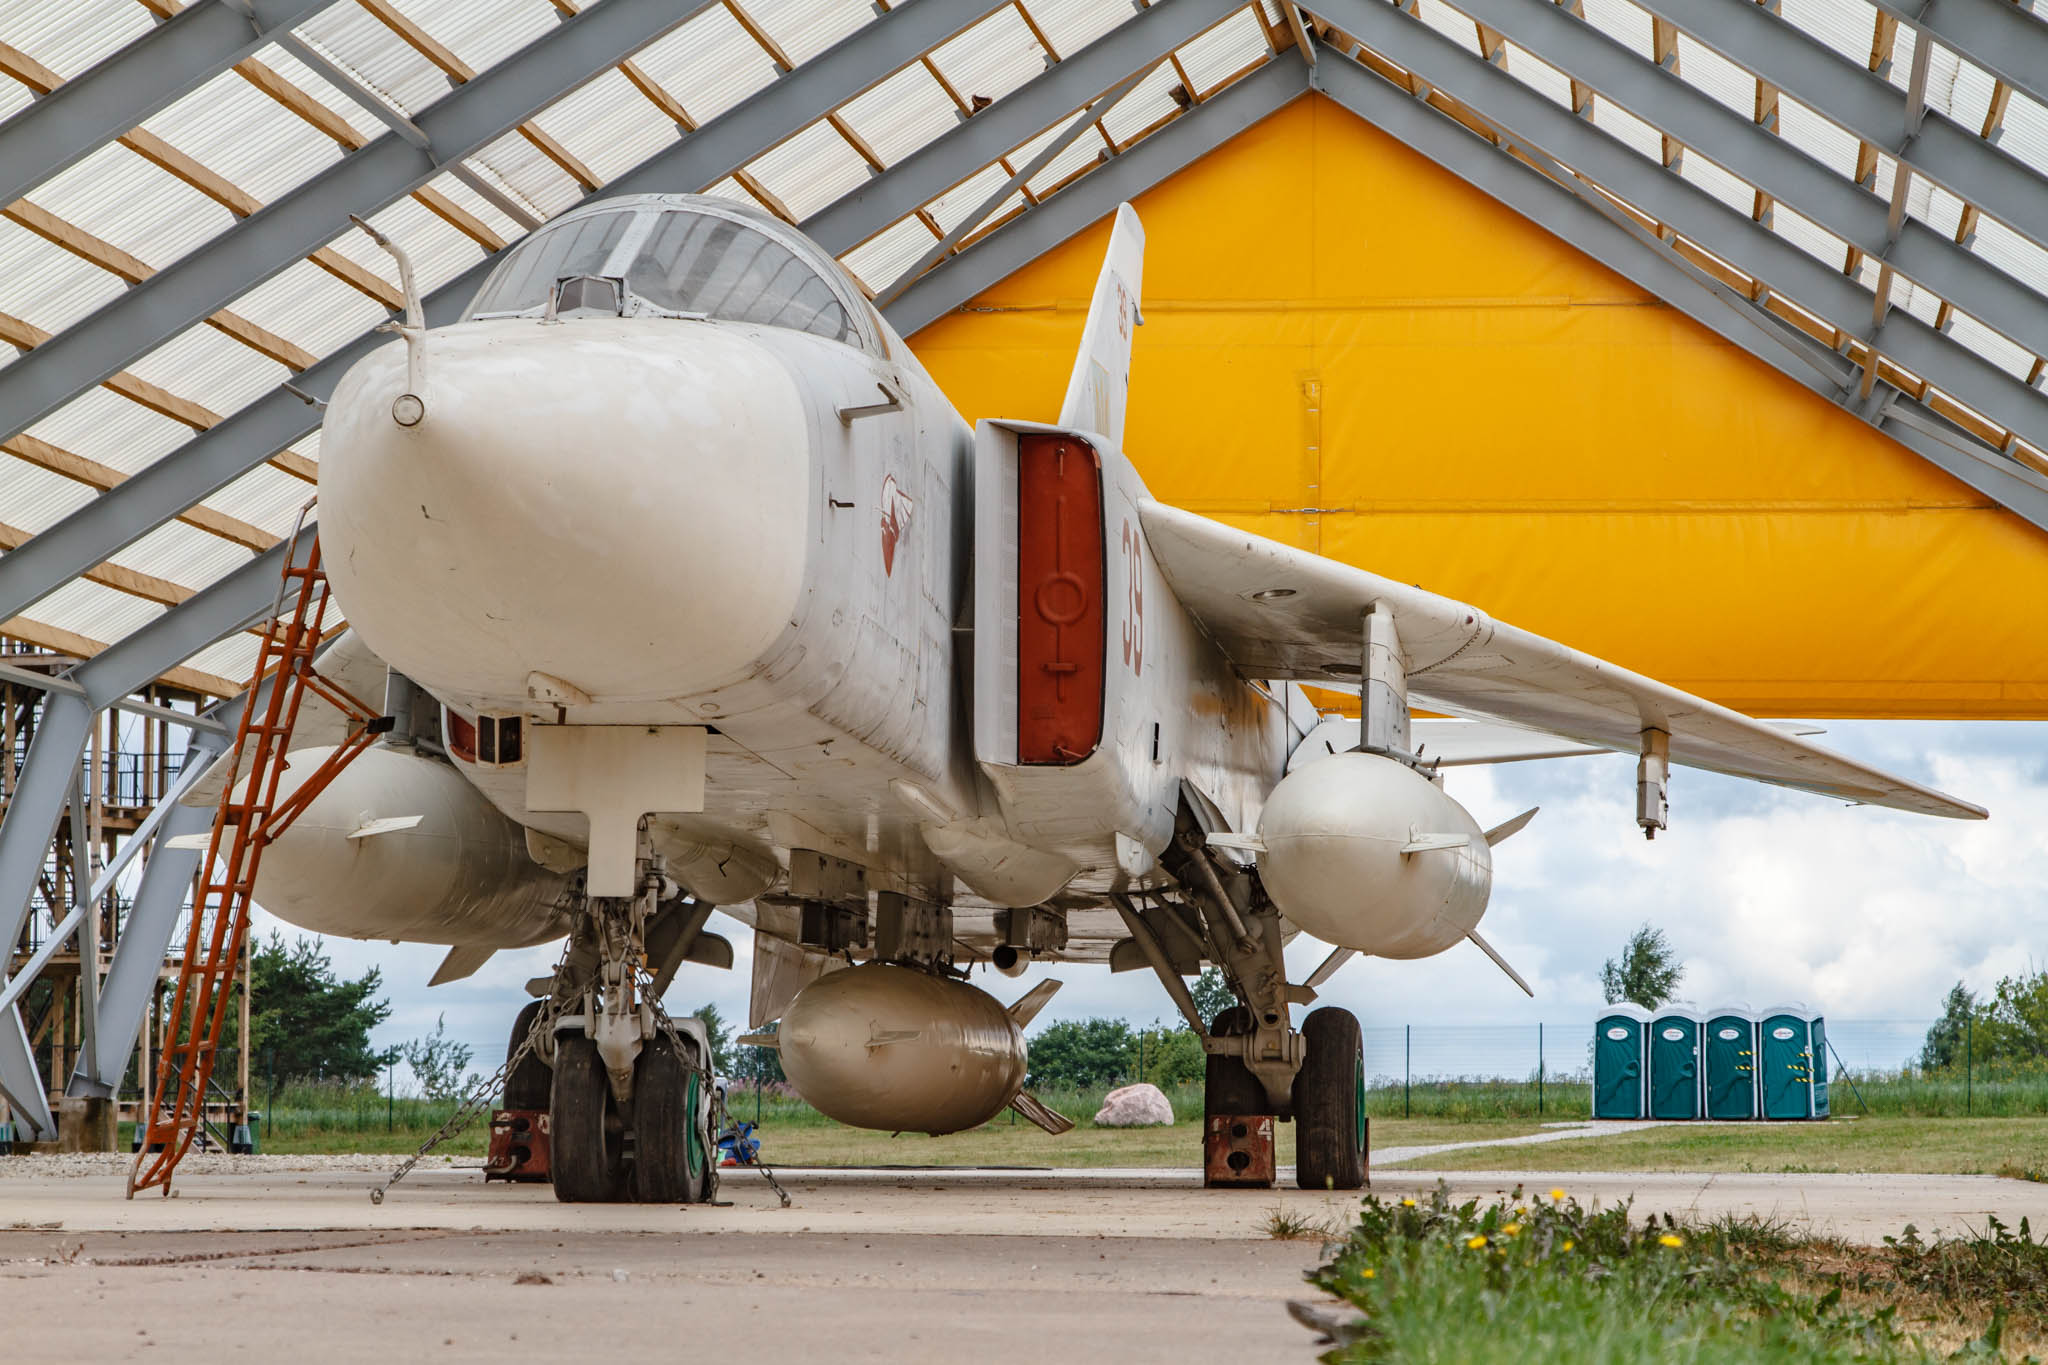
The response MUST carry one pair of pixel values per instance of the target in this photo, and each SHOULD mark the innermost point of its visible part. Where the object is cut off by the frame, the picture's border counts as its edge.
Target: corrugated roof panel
(1934, 206)
(101, 425)
(1458, 27)
(233, 658)
(117, 196)
(608, 124)
(993, 58)
(464, 197)
(2013, 254)
(1970, 96)
(210, 368)
(2025, 138)
(1809, 236)
(526, 175)
(1223, 51)
(1921, 303)
(710, 64)
(308, 306)
(236, 131)
(14, 97)
(2000, 350)
(350, 37)
(886, 255)
(1900, 72)
(336, 100)
(69, 38)
(184, 554)
(1714, 75)
(950, 208)
(1144, 106)
(811, 169)
(902, 114)
(1539, 75)
(805, 28)
(96, 612)
(1623, 21)
(1626, 128)
(438, 249)
(47, 285)
(37, 499)
(1073, 24)
(1730, 189)
(266, 496)
(1080, 154)
(482, 32)
(1847, 26)
(1828, 143)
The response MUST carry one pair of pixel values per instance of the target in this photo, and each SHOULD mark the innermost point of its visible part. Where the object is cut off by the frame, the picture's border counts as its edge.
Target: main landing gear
(628, 1091)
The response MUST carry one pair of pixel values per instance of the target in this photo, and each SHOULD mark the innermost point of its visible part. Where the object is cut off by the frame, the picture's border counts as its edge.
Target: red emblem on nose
(897, 506)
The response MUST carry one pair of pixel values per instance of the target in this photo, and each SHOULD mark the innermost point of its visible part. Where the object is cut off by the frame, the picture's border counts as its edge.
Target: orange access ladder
(249, 818)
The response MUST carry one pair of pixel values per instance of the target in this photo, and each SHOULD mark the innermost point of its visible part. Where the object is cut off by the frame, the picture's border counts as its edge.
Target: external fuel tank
(902, 1050)
(460, 875)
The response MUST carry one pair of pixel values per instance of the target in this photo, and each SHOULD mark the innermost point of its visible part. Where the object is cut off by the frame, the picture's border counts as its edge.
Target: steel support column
(1199, 130)
(298, 223)
(126, 87)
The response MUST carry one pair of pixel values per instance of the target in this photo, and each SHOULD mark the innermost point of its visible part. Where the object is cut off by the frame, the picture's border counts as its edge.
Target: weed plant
(1546, 1279)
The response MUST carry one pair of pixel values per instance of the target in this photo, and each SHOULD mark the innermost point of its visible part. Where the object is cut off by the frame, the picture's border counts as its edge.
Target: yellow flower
(1366, 1273)
(1407, 1203)
(1667, 1240)
(1476, 1242)
(1557, 1196)
(1569, 1245)
(1510, 1229)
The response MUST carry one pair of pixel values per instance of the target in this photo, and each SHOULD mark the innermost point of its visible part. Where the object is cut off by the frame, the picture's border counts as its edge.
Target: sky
(1768, 896)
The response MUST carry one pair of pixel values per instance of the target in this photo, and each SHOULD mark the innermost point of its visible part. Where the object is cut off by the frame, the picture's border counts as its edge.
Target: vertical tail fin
(1102, 371)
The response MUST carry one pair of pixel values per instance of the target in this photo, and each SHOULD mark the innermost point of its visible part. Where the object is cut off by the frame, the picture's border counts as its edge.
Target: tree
(1168, 1057)
(2012, 1026)
(438, 1063)
(721, 1037)
(1647, 971)
(1946, 1040)
(303, 1022)
(763, 1064)
(1082, 1052)
(1212, 994)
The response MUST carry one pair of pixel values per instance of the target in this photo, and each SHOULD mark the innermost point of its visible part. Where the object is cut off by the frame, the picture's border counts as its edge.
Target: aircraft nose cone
(618, 504)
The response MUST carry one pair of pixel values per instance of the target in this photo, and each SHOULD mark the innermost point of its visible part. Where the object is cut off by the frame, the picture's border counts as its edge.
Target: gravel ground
(79, 1165)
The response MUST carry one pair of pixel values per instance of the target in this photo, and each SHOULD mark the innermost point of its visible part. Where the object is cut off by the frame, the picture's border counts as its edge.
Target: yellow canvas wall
(1334, 322)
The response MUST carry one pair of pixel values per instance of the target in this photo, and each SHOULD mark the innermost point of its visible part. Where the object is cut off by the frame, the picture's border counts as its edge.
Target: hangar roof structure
(1855, 193)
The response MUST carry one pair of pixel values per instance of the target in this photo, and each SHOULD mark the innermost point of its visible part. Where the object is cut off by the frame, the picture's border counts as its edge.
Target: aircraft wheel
(583, 1160)
(670, 1153)
(1329, 1104)
(1228, 1086)
(527, 1085)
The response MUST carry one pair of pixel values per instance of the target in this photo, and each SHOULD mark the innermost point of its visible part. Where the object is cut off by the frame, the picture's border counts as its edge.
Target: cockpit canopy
(675, 256)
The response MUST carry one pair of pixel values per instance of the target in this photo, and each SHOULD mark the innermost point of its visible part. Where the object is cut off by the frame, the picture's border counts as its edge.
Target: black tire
(1228, 1086)
(582, 1159)
(527, 1085)
(1329, 1104)
(670, 1154)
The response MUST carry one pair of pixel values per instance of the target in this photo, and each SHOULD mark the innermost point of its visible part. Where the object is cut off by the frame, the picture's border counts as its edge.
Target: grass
(1930, 1146)
(1546, 1279)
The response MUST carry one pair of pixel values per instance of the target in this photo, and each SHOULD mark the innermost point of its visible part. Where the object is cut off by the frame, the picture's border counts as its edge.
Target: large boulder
(1135, 1106)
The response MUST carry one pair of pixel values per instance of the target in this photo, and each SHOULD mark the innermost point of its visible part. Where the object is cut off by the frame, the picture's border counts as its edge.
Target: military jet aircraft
(688, 590)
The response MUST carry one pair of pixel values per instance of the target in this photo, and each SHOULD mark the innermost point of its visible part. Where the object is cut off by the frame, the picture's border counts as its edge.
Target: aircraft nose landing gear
(630, 1102)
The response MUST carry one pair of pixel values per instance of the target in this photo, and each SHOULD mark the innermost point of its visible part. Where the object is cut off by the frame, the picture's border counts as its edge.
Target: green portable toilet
(1785, 1049)
(1618, 1071)
(1729, 1057)
(1675, 1064)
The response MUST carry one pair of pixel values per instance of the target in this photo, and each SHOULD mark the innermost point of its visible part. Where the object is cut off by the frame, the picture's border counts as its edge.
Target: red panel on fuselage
(1060, 587)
